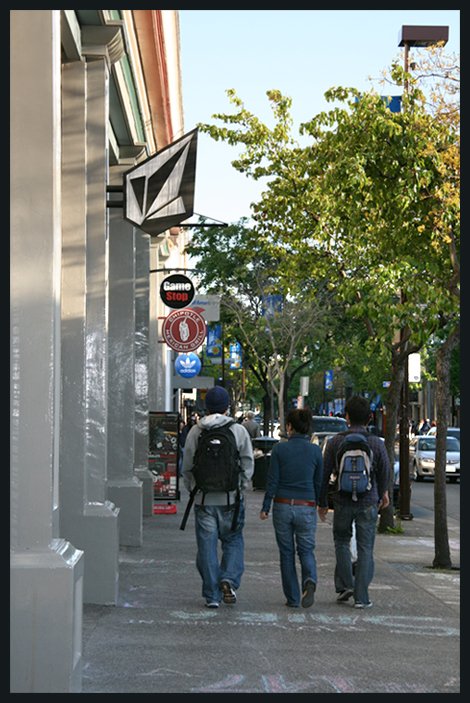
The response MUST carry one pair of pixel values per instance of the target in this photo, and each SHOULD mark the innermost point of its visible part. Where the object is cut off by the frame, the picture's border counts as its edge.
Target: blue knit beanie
(217, 400)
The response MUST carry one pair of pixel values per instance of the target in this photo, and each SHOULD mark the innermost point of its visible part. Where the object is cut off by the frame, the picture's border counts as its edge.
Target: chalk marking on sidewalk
(440, 585)
(396, 624)
(297, 617)
(424, 542)
(257, 617)
(277, 683)
(182, 615)
(402, 624)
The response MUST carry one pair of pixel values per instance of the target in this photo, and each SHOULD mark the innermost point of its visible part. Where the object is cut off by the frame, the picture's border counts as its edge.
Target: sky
(301, 53)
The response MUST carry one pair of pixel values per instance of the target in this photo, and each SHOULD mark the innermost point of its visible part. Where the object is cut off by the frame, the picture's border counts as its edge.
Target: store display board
(164, 454)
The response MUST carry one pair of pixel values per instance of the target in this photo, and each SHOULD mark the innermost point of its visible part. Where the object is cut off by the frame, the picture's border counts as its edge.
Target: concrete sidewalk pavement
(160, 638)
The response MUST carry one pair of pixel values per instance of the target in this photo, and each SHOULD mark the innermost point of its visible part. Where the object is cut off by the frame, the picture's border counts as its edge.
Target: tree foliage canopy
(370, 205)
(273, 317)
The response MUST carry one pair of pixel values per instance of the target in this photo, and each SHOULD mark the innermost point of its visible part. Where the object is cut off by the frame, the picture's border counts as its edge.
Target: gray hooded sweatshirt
(245, 450)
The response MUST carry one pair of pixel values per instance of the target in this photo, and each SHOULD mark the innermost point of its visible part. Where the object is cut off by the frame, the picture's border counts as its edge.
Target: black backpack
(354, 465)
(216, 467)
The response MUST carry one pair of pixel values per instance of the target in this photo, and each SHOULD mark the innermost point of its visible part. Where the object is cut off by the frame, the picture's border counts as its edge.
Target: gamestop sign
(177, 291)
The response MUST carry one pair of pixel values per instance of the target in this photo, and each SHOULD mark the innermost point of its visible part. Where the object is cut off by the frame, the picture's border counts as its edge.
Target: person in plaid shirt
(362, 512)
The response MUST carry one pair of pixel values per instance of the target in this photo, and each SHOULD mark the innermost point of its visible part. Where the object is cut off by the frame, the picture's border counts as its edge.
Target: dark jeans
(294, 526)
(366, 521)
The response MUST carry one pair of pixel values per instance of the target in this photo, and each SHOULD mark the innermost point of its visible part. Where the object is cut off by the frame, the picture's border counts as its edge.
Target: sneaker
(228, 593)
(345, 595)
(308, 594)
(363, 605)
(212, 604)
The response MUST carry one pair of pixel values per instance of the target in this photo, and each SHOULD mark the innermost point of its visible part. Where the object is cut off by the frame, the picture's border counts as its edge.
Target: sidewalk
(161, 639)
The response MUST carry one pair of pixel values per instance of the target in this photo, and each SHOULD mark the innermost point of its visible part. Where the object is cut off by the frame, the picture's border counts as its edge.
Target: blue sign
(328, 380)
(393, 103)
(271, 304)
(214, 340)
(235, 355)
(188, 365)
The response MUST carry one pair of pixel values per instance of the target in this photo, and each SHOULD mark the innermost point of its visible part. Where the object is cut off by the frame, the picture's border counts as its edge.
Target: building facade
(93, 93)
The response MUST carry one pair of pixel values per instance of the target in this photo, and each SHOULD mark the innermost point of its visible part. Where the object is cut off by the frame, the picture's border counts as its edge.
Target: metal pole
(406, 66)
(223, 357)
(405, 493)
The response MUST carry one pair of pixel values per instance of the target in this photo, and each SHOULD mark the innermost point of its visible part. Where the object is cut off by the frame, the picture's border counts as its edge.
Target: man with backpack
(361, 474)
(217, 466)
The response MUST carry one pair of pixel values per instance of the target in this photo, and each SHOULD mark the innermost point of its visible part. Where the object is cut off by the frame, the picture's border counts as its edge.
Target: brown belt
(292, 501)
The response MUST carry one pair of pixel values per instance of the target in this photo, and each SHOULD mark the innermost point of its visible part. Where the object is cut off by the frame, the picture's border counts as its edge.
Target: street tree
(361, 206)
(274, 317)
(438, 76)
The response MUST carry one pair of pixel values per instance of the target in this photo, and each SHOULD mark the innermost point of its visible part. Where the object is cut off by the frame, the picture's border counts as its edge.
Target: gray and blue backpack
(354, 465)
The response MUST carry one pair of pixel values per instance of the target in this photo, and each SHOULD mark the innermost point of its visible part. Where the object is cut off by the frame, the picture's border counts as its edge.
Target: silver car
(423, 456)
(324, 425)
(451, 432)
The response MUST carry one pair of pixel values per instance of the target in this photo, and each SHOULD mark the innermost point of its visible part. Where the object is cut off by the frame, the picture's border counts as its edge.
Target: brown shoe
(229, 594)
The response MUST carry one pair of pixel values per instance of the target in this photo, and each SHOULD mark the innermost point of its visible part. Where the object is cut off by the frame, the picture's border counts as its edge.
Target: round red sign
(184, 330)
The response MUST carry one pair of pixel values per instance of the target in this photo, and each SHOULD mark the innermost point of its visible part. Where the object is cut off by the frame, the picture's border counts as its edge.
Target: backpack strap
(236, 511)
(188, 508)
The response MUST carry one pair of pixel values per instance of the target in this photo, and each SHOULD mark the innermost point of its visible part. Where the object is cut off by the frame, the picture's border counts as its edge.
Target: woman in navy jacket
(294, 482)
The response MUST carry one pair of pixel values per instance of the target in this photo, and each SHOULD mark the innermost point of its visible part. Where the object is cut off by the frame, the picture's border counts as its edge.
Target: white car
(324, 425)
(423, 454)
(451, 432)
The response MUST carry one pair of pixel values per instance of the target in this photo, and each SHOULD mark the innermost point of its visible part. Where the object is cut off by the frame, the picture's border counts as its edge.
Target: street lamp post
(420, 36)
(411, 36)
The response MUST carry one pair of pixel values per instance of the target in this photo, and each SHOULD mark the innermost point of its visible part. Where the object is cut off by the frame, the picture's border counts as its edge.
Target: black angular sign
(159, 192)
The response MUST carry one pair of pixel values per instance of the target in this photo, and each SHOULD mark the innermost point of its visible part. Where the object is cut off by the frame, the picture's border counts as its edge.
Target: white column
(46, 571)
(87, 518)
(124, 488)
(142, 292)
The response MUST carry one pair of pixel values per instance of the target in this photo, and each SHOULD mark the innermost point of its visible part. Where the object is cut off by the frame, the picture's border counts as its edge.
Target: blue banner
(214, 340)
(235, 355)
(271, 304)
(328, 380)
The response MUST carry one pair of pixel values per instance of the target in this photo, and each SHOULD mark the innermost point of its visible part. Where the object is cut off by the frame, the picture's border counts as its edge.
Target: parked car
(323, 425)
(451, 432)
(423, 454)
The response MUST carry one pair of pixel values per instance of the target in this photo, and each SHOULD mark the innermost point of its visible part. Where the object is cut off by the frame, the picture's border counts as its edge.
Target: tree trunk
(280, 401)
(393, 404)
(264, 383)
(442, 558)
(266, 414)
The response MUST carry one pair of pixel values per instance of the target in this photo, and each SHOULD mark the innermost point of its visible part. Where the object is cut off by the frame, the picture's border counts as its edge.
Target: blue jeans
(295, 526)
(213, 523)
(366, 520)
